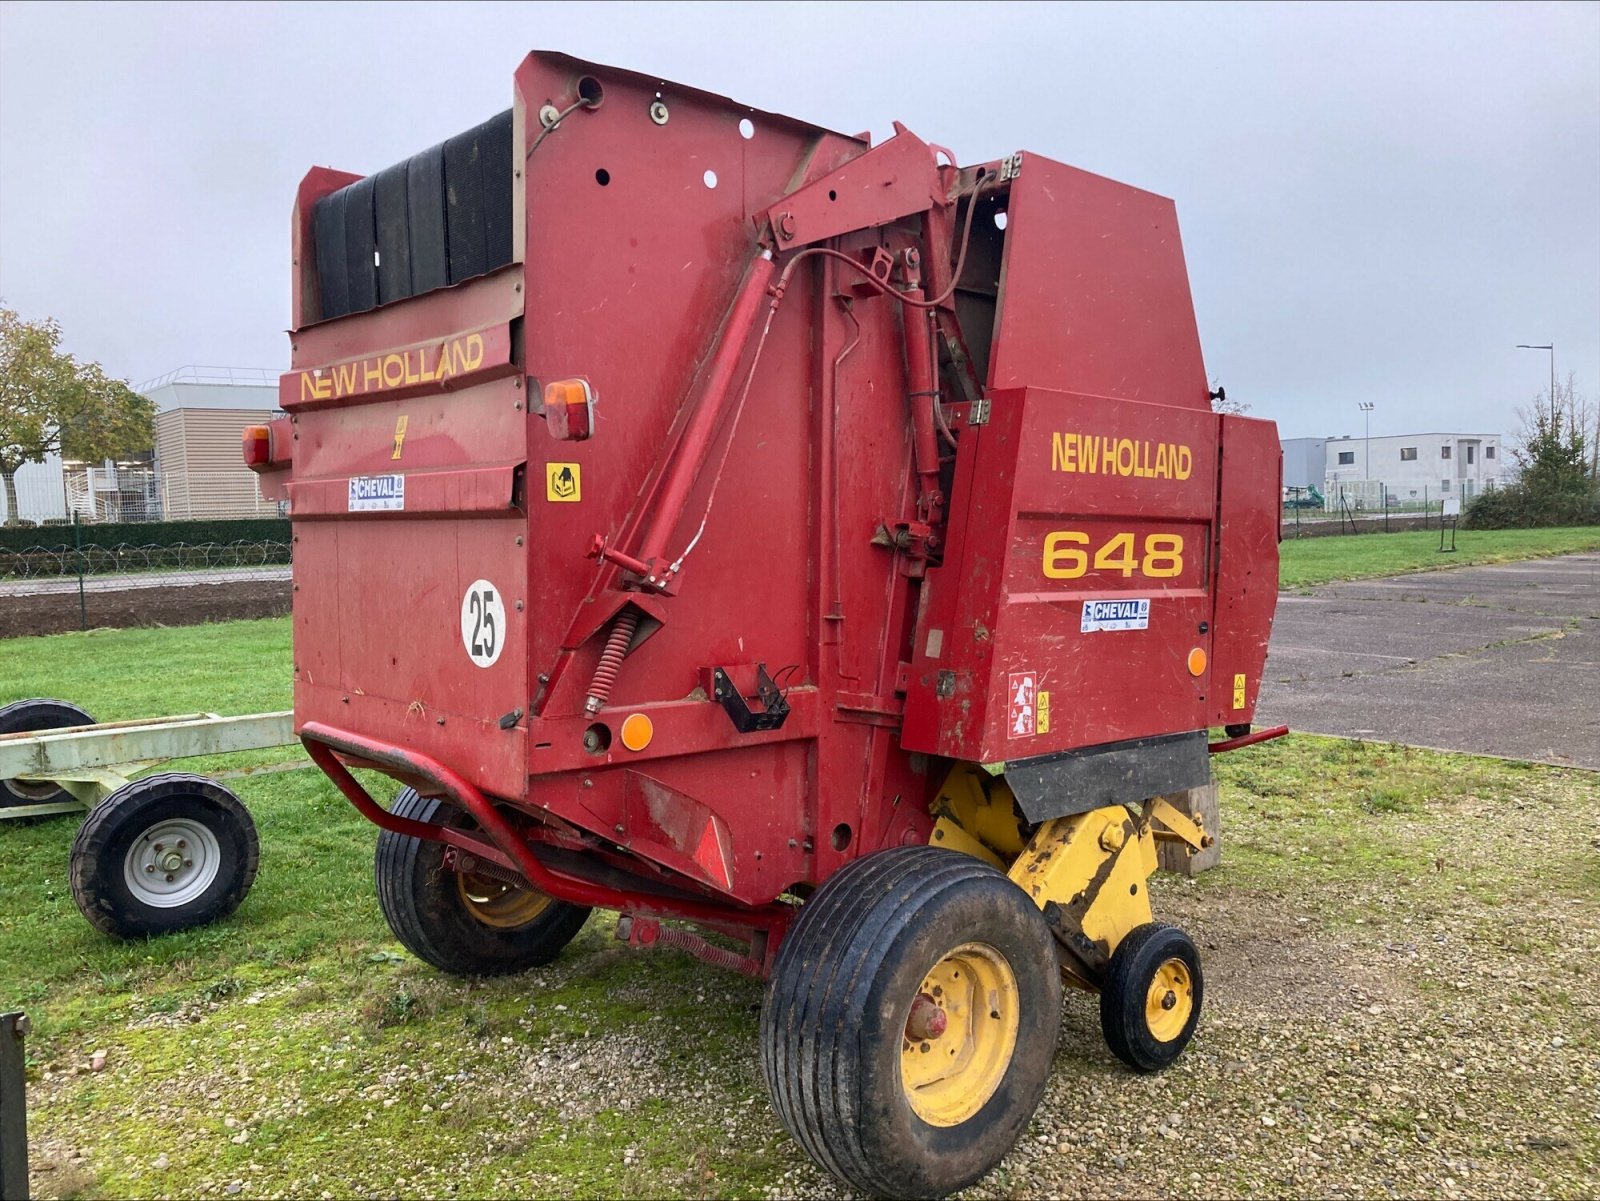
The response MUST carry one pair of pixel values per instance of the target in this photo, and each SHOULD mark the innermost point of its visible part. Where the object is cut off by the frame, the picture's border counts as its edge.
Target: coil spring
(708, 952)
(605, 672)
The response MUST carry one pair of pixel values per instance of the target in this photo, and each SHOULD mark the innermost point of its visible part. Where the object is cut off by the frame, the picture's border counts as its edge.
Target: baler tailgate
(411, 530)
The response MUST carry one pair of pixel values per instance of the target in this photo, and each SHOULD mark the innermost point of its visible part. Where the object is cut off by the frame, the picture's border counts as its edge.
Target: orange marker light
(257, 445)
(637, 730)
(569, 409)
(1197, 661)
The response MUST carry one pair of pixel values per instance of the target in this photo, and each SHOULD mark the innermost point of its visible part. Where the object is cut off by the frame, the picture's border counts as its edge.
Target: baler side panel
(1247, 565)
(1094, 293)
(629, 281)
(1078, 502)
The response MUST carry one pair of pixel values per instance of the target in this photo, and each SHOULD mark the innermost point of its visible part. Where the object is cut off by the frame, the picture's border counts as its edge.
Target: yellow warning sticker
(1238, 691)
(399, 435)
(1042, 725)
(562, 482)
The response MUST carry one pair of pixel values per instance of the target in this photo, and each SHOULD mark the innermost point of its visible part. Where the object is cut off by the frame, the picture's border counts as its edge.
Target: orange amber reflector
(257, 445)
(1197, 661)
(637, 730)
(569, 409)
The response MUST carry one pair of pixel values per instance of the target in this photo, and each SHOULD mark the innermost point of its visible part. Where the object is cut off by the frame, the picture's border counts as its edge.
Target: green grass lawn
(293, 1049)
(231, 667)
(1307, 561)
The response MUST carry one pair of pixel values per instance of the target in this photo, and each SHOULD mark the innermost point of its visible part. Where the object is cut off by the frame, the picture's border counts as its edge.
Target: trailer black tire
(31, 717)
(463, 924)
(1150, 1001)
(843, 1074)
(168, 852)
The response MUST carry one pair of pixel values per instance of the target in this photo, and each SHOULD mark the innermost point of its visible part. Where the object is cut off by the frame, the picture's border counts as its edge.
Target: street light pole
(1551, 347)
(1366, 407)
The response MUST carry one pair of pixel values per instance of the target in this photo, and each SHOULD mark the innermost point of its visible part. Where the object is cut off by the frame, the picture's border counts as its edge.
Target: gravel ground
(1402, 998)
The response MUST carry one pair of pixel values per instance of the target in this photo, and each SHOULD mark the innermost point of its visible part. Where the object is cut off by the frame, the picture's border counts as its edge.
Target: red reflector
(257, 445)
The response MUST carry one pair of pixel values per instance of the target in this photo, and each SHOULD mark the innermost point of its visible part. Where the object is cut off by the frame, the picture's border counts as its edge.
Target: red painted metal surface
(1244, 740)
(867, 455)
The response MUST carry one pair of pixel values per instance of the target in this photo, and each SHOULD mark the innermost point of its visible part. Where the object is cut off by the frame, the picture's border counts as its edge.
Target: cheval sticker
(377, 493)
(1024, 704)
(1115, 615)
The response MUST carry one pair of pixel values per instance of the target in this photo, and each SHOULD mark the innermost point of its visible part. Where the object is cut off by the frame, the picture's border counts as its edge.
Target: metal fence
(1358, 506)
(51, 589)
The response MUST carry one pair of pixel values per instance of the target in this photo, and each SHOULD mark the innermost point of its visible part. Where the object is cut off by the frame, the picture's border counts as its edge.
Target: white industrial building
(1408, 468)
(194, 470)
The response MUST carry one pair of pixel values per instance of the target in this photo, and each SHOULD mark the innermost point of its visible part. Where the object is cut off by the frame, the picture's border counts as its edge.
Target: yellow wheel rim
(498, 904)
(1170, 1001)
(960, 1034)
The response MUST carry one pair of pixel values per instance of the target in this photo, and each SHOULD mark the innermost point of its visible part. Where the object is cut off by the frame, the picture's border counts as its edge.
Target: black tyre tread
(1122, 995)
(848, 925)
(822, 982)
(96, 868)
(36, 715)
(396, 865)
(845, 912)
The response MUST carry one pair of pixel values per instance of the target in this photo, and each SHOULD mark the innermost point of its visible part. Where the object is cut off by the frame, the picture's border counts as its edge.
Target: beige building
(201, 412)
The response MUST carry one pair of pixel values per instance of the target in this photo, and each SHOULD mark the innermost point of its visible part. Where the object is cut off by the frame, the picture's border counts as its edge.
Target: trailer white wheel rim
(172, 863)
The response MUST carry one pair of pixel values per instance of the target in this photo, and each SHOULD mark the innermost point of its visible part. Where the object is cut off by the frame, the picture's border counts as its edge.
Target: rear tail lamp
(257, 444)
(569, 409)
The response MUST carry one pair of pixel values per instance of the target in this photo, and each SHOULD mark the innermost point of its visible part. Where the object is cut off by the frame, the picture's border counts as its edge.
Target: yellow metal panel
(1093, 866)
(988, 816)
(953, 838)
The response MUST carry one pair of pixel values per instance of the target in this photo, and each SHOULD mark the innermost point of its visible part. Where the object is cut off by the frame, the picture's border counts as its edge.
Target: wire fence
(1365, 506)
(51, 589)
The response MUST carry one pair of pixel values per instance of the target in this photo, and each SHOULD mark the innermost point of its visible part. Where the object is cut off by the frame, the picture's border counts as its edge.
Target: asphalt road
(1501, 660)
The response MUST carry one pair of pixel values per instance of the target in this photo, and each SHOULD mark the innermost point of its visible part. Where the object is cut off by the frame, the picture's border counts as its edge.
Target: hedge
(145, 533)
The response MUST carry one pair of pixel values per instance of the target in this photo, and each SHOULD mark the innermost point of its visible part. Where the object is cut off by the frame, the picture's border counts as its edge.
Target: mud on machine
(713, 518)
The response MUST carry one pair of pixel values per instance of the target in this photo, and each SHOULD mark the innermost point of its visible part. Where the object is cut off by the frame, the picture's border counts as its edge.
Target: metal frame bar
(13, 1108)
(62, 754)
(92, 762)
(1233, 744)
(326, 744)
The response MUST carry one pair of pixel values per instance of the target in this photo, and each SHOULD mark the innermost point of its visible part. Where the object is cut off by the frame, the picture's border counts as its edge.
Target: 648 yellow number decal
(1069, 555)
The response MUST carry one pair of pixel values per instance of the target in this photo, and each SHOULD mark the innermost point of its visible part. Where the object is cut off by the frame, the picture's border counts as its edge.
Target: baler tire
(35, 716)
(1150, 963)
(118, 882)
(834, 1027)
(427, 908)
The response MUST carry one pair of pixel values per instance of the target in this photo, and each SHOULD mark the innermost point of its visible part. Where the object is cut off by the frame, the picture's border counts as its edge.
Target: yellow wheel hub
(960, 1035)
(1170, 1001)
(498, 904)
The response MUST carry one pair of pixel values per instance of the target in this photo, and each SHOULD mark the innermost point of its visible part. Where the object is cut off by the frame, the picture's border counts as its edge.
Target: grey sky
(1377, 202)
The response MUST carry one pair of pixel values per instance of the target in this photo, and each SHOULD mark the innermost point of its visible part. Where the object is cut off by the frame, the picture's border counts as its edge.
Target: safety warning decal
(377, 493)
(562, 482)
(1238, 691)
(1024, 704)
(1115, 615)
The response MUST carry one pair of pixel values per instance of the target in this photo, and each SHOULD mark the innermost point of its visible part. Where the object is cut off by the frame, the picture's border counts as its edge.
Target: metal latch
(774, 711)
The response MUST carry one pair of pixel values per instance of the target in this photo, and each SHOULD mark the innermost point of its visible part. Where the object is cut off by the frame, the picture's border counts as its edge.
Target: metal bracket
(978, 414)
(1011, 166)
(746, 720)
(13, 1108)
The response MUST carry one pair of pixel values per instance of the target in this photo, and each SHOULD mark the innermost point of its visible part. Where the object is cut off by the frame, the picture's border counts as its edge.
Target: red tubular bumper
(325, 744)
(1233, 744)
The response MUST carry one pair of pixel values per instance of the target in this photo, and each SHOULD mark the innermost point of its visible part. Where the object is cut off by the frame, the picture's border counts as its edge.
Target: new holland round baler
(824, 555)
